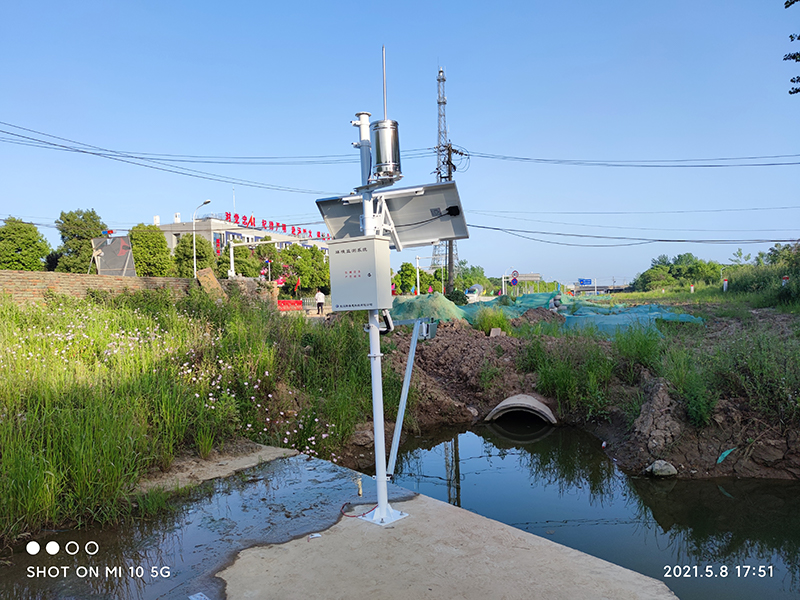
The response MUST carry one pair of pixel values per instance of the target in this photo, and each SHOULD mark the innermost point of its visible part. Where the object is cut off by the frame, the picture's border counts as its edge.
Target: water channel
(731, 538)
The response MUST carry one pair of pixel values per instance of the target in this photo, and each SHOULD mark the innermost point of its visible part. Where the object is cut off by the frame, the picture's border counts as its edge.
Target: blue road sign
(584, 282)
(514, 281)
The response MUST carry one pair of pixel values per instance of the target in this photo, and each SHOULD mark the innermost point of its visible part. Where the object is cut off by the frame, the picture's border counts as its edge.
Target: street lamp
(194, 240)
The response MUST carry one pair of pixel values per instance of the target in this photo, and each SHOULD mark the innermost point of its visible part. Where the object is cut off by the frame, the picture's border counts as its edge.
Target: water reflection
(728, 521)
(269, 504)
(558, 483)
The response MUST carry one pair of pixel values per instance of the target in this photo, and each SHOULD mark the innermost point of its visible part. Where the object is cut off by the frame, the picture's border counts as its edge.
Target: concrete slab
(439, 551)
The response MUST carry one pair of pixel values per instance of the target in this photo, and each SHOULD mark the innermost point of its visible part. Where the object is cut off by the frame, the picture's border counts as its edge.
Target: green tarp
(579, 313)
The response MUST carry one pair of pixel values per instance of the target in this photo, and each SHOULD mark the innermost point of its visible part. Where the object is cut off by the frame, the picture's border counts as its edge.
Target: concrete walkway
(439, 552)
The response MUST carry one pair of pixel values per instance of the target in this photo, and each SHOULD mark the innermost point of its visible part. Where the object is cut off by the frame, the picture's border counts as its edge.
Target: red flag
(297, 285)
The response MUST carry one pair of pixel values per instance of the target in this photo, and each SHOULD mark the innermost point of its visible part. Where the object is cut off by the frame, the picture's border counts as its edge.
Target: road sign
(514, 281)
(515, 274)
(584, 282)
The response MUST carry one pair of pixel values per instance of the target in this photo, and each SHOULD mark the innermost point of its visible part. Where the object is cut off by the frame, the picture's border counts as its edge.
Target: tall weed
(576, 375)
(683, 370)
(487, 319)
(636, 346)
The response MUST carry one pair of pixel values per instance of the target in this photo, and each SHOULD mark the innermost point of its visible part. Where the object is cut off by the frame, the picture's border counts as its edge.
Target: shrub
(457, 297)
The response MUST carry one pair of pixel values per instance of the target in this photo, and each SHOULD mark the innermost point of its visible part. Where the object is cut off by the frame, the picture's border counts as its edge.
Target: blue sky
(610, 81)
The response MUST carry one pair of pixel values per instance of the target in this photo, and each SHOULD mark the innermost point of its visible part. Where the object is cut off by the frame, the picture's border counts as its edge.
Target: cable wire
(683, 163)
(156, 165)
(632, 240)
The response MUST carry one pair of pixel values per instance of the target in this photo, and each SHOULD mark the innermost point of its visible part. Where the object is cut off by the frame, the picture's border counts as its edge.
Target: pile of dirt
(536, 315)
(461, 366)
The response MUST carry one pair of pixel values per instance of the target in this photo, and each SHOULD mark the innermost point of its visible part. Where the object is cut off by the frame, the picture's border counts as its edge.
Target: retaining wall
(30, 286)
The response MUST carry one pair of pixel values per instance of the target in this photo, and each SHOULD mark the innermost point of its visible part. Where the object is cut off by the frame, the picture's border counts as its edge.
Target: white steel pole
(383, 513)
(417, 276)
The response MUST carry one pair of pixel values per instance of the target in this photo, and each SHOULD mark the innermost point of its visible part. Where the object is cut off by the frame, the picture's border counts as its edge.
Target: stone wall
(30, 286)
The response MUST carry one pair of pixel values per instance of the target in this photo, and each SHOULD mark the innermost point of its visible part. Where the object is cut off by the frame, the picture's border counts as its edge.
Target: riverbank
(462, 374)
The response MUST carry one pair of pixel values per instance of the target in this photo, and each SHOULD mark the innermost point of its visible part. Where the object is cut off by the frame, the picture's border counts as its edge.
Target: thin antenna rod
(384, 83)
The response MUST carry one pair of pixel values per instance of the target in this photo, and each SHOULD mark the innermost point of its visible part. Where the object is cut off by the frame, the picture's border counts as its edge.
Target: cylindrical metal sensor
(385, 149)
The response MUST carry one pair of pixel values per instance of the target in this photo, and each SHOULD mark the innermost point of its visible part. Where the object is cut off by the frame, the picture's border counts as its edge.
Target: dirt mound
(461, 369)
(536, 315)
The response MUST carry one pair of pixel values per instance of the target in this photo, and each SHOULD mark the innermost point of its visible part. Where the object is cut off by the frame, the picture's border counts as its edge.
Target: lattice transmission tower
(444, 253)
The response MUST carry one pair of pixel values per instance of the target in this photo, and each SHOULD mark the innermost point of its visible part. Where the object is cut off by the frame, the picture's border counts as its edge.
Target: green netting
(579, 313)
(608, 320)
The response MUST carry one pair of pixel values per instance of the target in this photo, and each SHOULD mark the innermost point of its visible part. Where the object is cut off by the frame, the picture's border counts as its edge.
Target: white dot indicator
(33, 548)
(52, 548)
(73, 549)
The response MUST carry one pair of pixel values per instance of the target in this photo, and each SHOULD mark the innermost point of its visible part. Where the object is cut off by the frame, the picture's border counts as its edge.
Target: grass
(487, 319)
(758, 366)
(95, 393)
(577, 375)
(637, 346)
(685, 371)
(764, 368)
(489, 375)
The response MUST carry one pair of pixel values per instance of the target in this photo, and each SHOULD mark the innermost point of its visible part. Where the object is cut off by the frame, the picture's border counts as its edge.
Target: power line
(638, 212)
(596, 226)
(330, 159)
(683, 163)
(632, 240)
(156, 165)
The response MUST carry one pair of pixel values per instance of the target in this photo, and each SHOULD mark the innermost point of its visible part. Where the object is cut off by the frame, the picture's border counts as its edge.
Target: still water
(175, 556)
(726, 538)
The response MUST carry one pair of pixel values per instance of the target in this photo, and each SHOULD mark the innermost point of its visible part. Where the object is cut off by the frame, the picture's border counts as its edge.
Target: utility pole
(444, 172)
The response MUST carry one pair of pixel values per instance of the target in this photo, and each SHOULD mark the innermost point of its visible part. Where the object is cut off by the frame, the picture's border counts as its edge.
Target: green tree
(244, 263)
(469, 275)
(739, 258)
(654, 278)
(77, 228)
(266, 251)
(150, 251)
(662, 260)
(406, 278)
(307, 263)
(708, 272)
(22, 247)
(795, 56)
(781, 254)
(184, 258)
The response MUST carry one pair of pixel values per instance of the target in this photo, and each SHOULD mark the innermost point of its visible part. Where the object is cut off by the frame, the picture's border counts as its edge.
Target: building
(220, 229)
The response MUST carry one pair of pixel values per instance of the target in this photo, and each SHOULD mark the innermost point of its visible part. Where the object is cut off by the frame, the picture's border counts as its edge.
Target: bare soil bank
(462, 374)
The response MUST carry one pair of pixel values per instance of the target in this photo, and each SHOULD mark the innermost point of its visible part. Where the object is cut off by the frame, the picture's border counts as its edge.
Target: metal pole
(401, 409)
(417, 276)
(194, 236)
(384, 513)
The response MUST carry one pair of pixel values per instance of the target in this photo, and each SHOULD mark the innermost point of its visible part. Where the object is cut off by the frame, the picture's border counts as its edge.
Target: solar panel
(415, 216)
